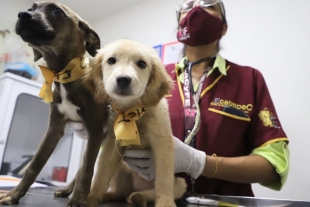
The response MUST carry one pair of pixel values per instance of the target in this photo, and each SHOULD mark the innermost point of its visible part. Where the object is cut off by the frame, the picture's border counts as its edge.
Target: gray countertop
(44, 198)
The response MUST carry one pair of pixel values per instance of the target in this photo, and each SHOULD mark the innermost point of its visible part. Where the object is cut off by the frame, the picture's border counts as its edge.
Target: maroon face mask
(199, 28)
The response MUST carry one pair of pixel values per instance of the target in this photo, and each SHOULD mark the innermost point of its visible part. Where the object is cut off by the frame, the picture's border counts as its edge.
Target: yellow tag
(46, 91)
(73, 71)
(125, 127)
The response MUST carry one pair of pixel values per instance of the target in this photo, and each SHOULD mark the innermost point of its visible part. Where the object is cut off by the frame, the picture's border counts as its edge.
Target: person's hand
(79, 129)
(187, 160)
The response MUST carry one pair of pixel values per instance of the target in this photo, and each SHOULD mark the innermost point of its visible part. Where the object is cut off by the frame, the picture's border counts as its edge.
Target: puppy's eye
(111, 61)
(141, 64)
(30, 9)
(58, 11)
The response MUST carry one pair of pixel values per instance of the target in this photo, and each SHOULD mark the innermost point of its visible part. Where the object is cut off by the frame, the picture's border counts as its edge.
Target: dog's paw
(63, 193)
(137, 199)
(3, 195)
(6, 199)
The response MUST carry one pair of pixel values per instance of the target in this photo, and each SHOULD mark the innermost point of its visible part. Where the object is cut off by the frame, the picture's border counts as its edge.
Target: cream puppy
(135, 81)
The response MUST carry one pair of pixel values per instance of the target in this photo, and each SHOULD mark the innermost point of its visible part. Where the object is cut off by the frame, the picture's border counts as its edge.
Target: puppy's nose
(123, 81)
(24, 15)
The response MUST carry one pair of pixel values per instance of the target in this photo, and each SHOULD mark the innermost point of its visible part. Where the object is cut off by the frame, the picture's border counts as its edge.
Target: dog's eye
(111, 61)
(57, 11)
(141, 64)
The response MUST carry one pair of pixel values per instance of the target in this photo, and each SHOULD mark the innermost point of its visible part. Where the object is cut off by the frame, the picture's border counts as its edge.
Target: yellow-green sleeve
(278, 155)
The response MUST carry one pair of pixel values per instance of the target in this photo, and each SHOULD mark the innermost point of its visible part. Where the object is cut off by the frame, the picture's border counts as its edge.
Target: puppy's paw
(63, 193)
(92, 201)
(3, 195)
(137, 199)
(165, 202)
(77, 203)
(165, 205)
(109, 196)
(10, 198)
(6, 199)
(92, 204)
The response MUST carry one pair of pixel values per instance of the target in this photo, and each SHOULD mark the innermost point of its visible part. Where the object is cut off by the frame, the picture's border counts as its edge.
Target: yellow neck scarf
(125, 127)
(73, 71)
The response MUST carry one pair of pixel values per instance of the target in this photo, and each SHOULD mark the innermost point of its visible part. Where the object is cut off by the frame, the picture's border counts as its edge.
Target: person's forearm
(246, 169)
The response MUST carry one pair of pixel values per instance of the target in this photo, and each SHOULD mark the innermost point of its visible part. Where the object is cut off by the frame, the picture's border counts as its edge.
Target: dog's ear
(93, 79)
(160, 83)
(91, 37)
(37, 55)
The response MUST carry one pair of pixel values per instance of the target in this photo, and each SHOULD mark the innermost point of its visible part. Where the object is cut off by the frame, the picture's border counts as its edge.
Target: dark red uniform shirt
(228, 134)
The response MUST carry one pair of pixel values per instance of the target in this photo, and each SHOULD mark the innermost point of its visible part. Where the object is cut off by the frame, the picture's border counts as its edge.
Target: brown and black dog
(59, 35)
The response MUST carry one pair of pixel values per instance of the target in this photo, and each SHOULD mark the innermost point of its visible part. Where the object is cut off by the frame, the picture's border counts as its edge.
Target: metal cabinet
(23, 122)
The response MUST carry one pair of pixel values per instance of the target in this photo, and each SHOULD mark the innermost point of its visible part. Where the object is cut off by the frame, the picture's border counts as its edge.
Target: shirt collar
(219, 63)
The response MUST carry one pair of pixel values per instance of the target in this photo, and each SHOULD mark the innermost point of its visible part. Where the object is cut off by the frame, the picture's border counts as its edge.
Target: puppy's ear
(160, 83)
(91, 37)
(93, 79)
(37, 55)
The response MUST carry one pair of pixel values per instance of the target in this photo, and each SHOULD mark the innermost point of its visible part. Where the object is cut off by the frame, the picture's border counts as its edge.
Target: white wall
(12, 44)
(272, 36)
(151, 23)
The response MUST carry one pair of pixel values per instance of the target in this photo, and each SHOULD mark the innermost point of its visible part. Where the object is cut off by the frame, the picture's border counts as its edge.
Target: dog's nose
(123, 81)
(24, 15)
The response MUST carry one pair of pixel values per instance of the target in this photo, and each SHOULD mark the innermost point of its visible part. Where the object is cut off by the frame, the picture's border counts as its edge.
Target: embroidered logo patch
(268, 119)
(246, 108)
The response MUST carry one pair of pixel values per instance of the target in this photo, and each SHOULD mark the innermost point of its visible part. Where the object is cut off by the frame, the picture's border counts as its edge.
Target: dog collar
(73, 71)
(125, 127)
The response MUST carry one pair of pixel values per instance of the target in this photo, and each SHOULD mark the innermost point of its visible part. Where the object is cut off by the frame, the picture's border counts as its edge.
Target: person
(240, 140)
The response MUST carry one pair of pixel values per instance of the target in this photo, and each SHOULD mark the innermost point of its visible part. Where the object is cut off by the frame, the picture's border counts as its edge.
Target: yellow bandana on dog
(73, 71)
(125, 127)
